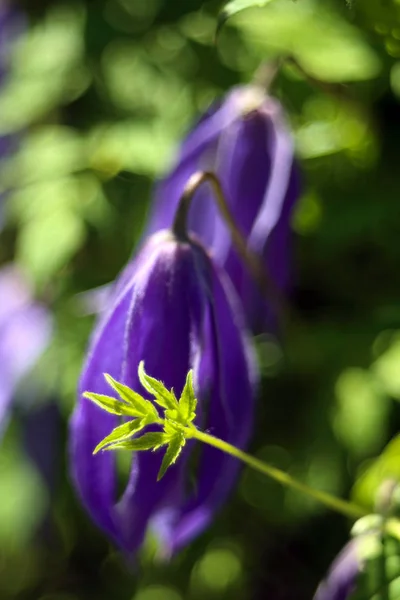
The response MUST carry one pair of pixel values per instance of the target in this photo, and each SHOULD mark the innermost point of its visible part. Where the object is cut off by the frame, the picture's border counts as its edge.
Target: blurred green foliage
(99, 94)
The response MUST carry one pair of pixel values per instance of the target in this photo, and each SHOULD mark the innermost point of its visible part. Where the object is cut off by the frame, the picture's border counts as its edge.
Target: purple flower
(25, 329)
(342, 577)
(244, 140)
(11, 25)
(173, 308)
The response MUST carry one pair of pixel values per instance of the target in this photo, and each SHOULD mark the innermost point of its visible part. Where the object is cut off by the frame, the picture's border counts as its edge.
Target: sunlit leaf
(187, 401)
(384, 467)
(171, 428)
(325, 45)
(129, 145)
(235, 6)
(174, 449)
(46, 243)
(148, 441)
(47, 68)
(360, 400)
(386, 367)
(48, 153)
(139, 405)
(162, 396)
(116, 407)
(121, 433)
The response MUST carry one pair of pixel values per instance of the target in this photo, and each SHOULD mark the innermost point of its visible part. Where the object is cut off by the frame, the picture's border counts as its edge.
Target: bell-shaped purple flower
(245, 141)
(25, 330)
(173, 309)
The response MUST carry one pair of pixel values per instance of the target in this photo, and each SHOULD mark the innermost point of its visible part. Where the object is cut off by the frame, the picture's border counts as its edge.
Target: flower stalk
(348, 509)
(251, 260)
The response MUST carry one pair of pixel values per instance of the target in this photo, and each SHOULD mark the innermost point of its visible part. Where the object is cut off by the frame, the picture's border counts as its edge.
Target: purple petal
(280, 149)
(163, 330)
(94, 476)
(341, 579)
(225, 382)
(151, 320)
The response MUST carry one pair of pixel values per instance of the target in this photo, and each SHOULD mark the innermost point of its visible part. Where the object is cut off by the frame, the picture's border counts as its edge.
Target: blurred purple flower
(342, 576)
(172, 308)
(25, 330)
(11, 24)
(245, 141)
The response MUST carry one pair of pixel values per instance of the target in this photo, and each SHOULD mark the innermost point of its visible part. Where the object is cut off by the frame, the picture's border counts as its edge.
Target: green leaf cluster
(235, 6)
(378, 551)
(176, 423)
(322, 41)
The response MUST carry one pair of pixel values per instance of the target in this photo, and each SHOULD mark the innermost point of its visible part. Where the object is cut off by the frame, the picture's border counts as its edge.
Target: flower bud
(173, 309)
(245, 141)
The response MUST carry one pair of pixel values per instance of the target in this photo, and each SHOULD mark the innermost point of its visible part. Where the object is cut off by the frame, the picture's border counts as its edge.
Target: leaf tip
(108, 378)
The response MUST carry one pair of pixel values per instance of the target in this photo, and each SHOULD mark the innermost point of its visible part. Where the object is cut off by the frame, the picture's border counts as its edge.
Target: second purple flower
(245, 141)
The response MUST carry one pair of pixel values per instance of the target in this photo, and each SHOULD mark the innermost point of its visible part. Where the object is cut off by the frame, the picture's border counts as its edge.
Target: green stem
(253, 262)
(341, 506)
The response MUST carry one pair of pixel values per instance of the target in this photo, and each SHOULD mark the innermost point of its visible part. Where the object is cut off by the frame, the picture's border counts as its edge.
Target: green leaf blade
(187, 401)
(111, 405)
(162, 396)
(174, 449)
(235, 6)
(148, 441)
(142, 407)
(121, 433)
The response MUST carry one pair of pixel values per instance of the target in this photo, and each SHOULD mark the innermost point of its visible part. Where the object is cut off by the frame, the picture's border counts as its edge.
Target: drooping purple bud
(173, 309)
(25, 330)
(245, 141)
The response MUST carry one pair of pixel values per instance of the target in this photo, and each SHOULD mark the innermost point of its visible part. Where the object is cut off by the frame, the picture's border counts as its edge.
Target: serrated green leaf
(111, 405)
(162, 396)
(148, 441)
(174, 449)
(187, 401)
(121, 433)
(141, 406)
(235, 6)
(172, 415)
(171, 428)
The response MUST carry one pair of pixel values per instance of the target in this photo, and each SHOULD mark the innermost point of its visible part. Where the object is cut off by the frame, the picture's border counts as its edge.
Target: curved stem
(347, 509)
(252, 261)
